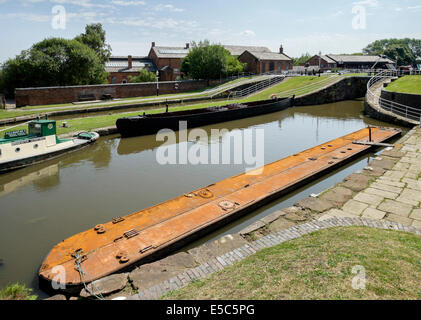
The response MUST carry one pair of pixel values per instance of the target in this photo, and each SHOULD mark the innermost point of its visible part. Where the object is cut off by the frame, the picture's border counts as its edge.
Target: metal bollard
(369, 134)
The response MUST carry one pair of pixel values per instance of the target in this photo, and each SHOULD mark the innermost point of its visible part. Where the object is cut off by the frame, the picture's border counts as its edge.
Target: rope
(79, 268)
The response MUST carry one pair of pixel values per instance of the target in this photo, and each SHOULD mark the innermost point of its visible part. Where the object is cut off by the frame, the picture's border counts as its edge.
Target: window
(17, 150)
(114, 80)
(36, 146)
(124, 81)
(271, 66)
(263, 67)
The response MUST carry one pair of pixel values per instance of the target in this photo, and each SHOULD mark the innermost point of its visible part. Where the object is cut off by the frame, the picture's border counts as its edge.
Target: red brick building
(121, 68)
(266, 61)
(168, 60)
(322, 62)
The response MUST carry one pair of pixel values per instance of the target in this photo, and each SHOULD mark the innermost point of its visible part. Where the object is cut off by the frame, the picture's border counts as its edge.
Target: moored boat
(148, 124)
(20, 148)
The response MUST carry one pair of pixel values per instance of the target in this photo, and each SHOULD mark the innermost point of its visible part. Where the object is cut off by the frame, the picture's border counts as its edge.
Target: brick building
(352, 62)
(266, 61)
(322, 62)
(168, 60)
(121, 68)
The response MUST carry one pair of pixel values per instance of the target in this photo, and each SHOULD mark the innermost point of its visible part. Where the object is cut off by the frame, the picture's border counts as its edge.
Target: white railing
(374, 96)
(257, 87)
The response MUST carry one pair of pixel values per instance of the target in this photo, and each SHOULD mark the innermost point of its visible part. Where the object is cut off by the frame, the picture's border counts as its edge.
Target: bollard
(369, 134)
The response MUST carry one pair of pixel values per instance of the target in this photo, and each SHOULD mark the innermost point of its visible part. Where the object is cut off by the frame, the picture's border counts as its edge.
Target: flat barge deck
(134, 239)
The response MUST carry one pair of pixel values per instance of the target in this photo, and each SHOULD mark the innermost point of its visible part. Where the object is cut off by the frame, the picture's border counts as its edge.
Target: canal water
(44, 204)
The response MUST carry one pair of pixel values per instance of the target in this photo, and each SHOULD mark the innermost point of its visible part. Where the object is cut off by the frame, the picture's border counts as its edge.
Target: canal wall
(348, 88)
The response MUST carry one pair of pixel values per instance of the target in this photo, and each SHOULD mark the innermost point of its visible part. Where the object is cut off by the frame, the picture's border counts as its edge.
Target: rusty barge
(137, 238)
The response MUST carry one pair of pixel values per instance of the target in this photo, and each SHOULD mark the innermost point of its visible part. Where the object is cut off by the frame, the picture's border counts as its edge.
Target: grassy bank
(94, 122)
(319, 266)
(406, 84)
(16, 292)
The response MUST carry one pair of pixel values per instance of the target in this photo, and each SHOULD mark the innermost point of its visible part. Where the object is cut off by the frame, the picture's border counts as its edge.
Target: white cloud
(82, 3)
(128, 3)
(169, 7)
(369, 3)
(248, 33)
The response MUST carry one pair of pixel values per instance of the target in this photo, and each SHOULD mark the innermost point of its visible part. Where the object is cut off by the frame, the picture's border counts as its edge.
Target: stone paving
(396, 194)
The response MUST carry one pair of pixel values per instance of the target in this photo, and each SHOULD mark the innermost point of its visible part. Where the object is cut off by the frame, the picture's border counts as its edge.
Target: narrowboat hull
(145, 235)
(38, 158)
(152, 124)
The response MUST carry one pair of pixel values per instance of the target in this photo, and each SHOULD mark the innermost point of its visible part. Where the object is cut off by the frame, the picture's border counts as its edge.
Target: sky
(328, 26)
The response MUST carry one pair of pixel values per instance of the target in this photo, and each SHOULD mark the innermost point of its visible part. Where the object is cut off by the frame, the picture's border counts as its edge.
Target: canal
(44, 204)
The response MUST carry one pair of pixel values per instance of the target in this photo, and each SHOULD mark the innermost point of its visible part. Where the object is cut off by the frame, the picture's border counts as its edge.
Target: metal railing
(374, 95)
(257, 87)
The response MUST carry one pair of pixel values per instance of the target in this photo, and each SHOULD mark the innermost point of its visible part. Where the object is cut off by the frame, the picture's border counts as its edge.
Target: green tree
(380, 47)
(54, 62)
(210, 61)
(400, 53)
(302, 59)
(144, 76)
(94, 38)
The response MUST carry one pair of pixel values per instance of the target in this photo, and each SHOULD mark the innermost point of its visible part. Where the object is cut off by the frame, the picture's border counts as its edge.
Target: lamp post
(157, 83)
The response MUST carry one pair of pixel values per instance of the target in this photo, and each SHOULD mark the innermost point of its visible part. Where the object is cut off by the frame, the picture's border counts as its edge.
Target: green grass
(16, 292)
(406, 84)
(95, 122)
(319, 267)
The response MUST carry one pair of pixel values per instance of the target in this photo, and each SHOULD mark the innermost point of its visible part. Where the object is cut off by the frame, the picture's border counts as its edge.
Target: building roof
(327, 59)
(359, 59)
(239, 50)
(121, 64)
(270, 56)
(171, 52)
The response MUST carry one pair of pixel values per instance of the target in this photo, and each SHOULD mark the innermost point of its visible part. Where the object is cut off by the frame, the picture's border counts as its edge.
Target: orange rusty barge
(136, 238)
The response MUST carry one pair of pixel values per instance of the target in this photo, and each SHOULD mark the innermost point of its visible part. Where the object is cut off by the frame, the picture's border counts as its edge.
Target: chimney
(281, 49)
(187, 45)
(153, 44)
(130, 60)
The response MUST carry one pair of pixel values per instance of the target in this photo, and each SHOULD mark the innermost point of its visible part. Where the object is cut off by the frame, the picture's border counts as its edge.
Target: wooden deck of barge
(118, 244)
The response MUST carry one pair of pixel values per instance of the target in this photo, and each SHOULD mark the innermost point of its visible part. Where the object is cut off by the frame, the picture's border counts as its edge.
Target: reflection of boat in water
(142, 236)
(19, 149)
(18, 179)
(153, 123)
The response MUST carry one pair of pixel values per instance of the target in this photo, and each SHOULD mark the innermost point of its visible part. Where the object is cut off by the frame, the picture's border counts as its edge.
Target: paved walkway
(219, 263)
(396, 194)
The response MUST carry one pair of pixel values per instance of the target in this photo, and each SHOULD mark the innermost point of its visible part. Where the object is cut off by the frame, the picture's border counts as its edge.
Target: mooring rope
(79, 268)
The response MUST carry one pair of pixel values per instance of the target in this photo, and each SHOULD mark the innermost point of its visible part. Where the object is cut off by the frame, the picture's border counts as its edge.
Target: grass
(16, 292)
(319, 267)
(95, 122)
(406, 84)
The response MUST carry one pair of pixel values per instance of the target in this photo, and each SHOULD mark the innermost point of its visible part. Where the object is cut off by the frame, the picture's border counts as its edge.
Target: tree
(94, 38)
(54, 62)
(302, 60)
(380, 47)
(400, 53)
(144, 76)
(206, 61)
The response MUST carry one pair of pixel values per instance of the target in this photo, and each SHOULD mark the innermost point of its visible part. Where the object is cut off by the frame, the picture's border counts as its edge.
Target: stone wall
(58, 95)
(411, 100)
(346, 89)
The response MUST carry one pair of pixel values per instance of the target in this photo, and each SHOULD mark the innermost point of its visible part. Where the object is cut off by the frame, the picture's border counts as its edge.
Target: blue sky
(131, 25)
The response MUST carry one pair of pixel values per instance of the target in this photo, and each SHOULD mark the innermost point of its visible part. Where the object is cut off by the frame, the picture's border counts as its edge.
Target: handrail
(399, 109)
